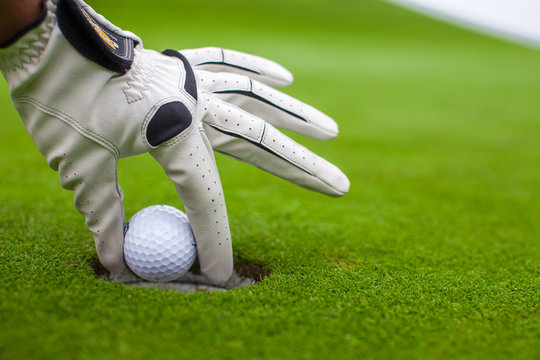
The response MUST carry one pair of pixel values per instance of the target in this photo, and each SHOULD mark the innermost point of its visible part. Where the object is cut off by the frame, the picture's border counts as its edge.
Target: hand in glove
(89, 94)
(245, 84)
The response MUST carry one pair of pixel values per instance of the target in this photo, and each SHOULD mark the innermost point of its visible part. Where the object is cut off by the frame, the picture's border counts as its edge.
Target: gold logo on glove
(100, 32)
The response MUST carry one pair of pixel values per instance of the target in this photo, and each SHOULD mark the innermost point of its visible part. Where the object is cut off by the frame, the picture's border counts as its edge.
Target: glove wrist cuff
(27, 46)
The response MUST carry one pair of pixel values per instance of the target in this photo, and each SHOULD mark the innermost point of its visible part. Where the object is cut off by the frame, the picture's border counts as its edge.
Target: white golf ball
(159, 244)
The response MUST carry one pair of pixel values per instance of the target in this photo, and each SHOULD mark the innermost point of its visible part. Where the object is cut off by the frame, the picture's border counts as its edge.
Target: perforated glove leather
(242, 110)
(90, 94)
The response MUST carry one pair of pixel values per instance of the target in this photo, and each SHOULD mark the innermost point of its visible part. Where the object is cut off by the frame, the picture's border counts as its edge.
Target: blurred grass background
(433, 254)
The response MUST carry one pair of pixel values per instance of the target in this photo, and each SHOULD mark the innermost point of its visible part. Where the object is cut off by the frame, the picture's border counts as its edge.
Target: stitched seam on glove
(245, 113)
(137, 80)
(269, 146)
(244, 135)
(262, 146)
(71, 122)
(178, 138)
(225, 63)
(251, 93)
(182, 81)
(255, 96)
(29, 47)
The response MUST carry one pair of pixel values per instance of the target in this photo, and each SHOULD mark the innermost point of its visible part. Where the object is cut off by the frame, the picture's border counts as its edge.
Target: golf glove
(90, 94)
(243, 109)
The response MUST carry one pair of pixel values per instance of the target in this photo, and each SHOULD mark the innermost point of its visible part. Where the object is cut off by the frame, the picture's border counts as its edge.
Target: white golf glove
(235, 125)
(90, 94)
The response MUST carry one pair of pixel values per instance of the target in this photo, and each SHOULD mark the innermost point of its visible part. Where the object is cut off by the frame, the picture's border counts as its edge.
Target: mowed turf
(434, 253)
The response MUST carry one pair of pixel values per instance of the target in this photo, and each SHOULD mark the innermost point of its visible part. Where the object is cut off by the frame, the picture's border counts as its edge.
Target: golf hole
(245, 274)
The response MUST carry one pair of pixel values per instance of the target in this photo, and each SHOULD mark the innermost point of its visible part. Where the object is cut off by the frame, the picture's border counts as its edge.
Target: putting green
(435, 253)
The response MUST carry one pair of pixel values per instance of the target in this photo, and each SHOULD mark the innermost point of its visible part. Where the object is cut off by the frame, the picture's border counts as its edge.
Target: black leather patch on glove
(170, 120)
(190, 85)
(93, 40)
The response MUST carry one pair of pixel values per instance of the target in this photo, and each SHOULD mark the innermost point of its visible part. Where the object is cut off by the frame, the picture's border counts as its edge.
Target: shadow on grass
(245, 274)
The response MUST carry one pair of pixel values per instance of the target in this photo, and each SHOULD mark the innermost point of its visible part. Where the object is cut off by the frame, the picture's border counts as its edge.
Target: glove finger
(92, 175)
(279, 109)
(90, 170)
(188, 164)
(223, 60)
(248, 138)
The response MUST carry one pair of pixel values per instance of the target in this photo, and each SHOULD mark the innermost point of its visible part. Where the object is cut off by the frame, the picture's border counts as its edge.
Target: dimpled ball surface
(159, 244)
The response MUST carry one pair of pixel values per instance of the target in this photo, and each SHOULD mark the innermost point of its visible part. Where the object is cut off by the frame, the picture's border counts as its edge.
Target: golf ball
(159, 244)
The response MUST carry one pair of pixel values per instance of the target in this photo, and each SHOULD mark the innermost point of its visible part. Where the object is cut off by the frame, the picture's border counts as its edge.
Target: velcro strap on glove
(94, 40)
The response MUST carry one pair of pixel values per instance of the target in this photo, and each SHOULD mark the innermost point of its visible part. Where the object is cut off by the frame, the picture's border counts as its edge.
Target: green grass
(435, 253)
